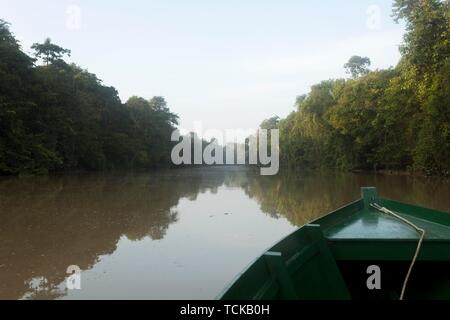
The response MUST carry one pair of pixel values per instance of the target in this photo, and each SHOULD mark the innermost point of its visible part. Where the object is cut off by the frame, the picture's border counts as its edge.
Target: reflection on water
(181, 234)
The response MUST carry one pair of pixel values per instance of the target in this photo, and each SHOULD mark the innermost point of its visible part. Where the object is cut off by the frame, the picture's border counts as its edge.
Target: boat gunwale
(359, 202)
(247, 268)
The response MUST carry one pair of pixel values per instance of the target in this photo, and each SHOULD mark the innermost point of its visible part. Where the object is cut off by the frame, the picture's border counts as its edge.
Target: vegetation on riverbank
(395, 119)
(57, 116)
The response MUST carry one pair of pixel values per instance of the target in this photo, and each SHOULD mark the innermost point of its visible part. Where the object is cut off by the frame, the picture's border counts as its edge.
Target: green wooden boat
(373, 248)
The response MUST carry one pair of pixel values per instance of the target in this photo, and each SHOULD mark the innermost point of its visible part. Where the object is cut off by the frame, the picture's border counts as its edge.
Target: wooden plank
(279, 271)
(370, 196)
(329, 269)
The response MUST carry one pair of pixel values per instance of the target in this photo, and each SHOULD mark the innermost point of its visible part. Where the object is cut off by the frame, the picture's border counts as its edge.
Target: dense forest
(57, 116)
(395, 119)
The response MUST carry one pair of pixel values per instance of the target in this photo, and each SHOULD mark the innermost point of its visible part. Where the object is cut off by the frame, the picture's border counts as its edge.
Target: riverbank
(401, 173)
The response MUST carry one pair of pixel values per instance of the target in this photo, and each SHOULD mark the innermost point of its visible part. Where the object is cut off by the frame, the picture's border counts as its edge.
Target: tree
(425, 73)
(153, 126)
(21, 148)
(271, 123)
(426, 42)
(358, 66)
(395, 119)
(60, 117)
(49, 52)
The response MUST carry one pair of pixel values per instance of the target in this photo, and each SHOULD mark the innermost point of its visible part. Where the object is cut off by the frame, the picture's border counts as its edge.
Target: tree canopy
(49, 52)
(394, 119)
(358, 66)
(58, 116)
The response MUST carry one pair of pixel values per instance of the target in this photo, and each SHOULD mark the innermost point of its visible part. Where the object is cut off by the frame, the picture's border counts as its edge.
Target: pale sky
(230, 63)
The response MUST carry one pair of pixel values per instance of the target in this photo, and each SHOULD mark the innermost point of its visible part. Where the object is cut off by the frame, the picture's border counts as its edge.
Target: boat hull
(355, 252)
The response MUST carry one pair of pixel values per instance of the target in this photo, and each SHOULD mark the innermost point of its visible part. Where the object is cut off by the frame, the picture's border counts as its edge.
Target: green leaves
(427, 41)
(391, 119)
(61, 117)
(153, 124)
(49, 52)
(357, 66)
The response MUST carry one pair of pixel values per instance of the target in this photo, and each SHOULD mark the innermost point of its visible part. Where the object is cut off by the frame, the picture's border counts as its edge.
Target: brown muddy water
(172, 234)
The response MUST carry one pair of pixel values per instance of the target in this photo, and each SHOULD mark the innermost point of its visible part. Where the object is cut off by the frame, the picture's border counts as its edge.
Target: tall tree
(60, 117)
(271, 123)
(358, 66)
(427, 40)
(49, 52)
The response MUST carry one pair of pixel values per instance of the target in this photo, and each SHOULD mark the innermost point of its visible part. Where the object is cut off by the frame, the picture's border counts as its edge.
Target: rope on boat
(419, 245)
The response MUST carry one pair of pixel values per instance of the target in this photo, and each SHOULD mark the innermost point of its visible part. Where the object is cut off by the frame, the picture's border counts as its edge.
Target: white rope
(419, 245)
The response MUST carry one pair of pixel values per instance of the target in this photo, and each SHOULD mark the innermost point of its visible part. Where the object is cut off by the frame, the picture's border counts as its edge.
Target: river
(167, 234)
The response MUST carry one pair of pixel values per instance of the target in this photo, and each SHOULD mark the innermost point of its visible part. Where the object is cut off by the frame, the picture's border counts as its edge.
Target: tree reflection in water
(50, 223)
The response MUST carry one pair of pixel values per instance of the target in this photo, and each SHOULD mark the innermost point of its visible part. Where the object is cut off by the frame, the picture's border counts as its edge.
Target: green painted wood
(331, 276)
(268, 291)
(369, 196)
(384, 250)
(436, 216)
(279, 272)
(321, 260)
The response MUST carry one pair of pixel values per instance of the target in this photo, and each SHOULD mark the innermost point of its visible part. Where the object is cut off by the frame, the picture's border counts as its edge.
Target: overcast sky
(228, 63)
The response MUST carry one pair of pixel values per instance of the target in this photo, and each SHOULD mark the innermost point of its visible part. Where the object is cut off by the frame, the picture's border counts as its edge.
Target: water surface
(172, 234)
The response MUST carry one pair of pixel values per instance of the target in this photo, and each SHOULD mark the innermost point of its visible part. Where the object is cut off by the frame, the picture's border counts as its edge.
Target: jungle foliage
(57, 116)
(395, 119)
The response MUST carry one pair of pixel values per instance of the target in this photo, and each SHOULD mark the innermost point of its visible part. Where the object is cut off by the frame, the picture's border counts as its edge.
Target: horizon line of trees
(57, 116)
(394, 119)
